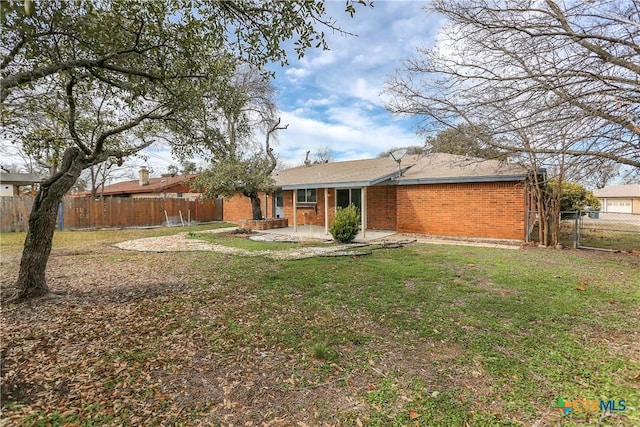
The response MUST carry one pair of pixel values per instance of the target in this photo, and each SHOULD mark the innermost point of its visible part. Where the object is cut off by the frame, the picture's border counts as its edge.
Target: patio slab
(317, 232)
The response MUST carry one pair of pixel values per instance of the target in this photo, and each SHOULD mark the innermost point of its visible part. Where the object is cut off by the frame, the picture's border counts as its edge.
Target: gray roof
(626, 191)
(443, 168)
(354, 173)
(432, 168)
(19, 178)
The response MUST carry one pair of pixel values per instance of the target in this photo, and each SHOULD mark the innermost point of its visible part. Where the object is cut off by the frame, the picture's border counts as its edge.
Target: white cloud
(296, 73)
(362, 89)
(333, 98)
(320, 102)
(353, 136)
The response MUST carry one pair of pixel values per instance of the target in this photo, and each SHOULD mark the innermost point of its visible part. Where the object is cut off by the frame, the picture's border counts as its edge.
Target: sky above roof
(332, 99)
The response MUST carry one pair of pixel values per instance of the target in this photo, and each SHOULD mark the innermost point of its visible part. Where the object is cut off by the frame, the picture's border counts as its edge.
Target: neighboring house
(437, 194)
(166, 187)
(18, 184)
(620, 198)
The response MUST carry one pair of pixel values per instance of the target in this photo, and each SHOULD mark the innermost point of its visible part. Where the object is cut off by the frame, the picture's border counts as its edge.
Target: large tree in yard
(123, 75)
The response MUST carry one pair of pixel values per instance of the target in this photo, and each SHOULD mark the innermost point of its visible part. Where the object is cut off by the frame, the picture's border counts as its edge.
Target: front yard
(422, 335)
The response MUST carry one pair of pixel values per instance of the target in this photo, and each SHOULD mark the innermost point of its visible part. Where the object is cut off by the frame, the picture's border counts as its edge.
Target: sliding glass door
(348, 196)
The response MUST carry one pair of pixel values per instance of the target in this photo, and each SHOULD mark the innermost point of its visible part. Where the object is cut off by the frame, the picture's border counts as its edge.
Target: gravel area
(181, 243)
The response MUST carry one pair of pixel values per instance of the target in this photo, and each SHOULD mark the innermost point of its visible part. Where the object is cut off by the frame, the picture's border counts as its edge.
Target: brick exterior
(310, 214)
(489, 210)
(263, 224)
(483, 210)
(239, 207)
(381, 207)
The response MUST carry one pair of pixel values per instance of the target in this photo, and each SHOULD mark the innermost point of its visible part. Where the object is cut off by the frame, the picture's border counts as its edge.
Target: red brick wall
(310, 214)
(239, 207)
(490, 210)
(381, 207)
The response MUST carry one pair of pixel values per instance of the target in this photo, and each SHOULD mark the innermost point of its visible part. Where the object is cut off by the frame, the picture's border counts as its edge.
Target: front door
(279, 205)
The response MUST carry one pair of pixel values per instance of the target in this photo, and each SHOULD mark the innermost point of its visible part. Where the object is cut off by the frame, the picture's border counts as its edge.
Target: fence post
(576, 230)
(60, 217)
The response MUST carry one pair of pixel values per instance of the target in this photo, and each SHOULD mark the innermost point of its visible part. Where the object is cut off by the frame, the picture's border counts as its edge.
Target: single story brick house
(437, 194)
(619, 198)
(145, 187)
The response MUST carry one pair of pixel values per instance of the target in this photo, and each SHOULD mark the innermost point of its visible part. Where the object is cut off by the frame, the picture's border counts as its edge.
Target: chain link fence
(617, 231)
(594, 230)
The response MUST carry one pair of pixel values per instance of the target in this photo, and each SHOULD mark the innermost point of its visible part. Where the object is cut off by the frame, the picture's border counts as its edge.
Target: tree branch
(18, 79)
(71, 102)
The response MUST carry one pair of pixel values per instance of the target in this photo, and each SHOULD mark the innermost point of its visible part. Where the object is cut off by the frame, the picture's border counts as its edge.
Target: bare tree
(579, 59)
(595, 173)
(551, 83)
(239, 164)
(97, 176)
(324, 154)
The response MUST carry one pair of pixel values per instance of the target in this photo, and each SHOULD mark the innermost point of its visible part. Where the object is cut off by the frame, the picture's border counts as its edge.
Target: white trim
(326, 211)
(295, 211)
(363, 200)
(460, 179)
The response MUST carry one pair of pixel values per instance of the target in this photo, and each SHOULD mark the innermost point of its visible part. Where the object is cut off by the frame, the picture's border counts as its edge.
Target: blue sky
(333, 98)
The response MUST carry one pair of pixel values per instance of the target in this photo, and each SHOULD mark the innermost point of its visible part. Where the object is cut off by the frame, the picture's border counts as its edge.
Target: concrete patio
(317, 232)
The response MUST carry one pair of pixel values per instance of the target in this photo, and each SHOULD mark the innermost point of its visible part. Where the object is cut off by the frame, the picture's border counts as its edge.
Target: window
(306, 195)
(349, 196)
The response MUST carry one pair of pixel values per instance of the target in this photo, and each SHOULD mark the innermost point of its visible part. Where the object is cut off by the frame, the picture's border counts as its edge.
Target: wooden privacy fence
(14, 213)
(78, 213)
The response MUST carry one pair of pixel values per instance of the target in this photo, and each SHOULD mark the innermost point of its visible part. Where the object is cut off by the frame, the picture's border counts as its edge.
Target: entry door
(348, 196)
(279, 204)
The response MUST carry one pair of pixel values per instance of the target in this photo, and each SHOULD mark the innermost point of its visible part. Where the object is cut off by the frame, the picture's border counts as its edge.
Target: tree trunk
(256, 210)
(42, 224)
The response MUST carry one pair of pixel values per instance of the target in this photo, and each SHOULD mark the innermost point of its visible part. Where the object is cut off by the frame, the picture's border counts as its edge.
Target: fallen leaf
(413, 415)
(581, 288)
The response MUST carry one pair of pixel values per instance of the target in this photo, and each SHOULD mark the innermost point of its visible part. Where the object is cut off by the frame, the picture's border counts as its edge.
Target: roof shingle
(156, 185)
(437, 167)
(626, 191)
